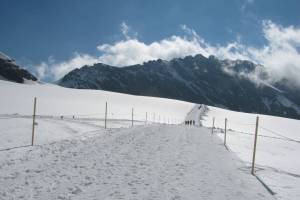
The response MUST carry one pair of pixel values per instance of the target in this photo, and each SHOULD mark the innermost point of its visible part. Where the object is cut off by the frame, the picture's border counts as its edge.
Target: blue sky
(36, 32)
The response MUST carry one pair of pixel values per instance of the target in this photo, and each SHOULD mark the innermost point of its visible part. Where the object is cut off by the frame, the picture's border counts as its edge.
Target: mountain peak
(193, 78)
(10, 71)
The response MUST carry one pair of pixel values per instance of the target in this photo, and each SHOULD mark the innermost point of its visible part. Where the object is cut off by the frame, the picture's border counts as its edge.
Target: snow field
(16, 131)
(54, 100)
(78, 159)
(87, 107)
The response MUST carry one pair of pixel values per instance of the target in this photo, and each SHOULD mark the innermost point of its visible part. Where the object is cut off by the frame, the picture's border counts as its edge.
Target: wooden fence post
(254, 148)
(146, 119)
(105, 120)
(132, 117)
(33, 121)
(213, 126)
(225, 132)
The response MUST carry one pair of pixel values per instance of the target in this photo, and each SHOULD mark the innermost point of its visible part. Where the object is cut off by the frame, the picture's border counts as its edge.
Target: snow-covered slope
(78, 159)
(278, 146)
(87, 107)
(5, 57)
(56, 100)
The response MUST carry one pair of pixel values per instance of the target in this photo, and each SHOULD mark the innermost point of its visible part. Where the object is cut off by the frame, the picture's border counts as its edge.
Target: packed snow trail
(196, 114)
(144, 162)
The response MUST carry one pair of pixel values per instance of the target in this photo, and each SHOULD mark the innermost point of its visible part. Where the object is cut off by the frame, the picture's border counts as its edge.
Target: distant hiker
(193, 122)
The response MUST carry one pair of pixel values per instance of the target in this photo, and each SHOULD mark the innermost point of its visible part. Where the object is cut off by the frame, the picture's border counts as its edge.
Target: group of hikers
(189, 122)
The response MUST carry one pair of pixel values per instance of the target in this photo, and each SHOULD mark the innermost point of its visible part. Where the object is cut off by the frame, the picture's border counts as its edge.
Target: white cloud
(78, 61)
(246, 3)
(127, 32)
(280, 55)
(132, 51)
(41, 70)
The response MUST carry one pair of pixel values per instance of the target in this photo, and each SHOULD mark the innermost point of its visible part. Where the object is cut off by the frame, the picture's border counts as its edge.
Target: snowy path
(144, 162)
(278, 147)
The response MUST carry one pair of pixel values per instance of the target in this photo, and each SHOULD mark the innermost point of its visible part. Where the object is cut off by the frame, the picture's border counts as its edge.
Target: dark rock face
(9, 70)
(195, 79)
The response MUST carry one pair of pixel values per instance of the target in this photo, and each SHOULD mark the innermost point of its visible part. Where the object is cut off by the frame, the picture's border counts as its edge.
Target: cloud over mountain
(280, 54)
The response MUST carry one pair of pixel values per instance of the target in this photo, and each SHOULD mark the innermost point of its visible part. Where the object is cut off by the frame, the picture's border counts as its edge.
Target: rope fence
(106, 119)
(236, 127)
(232, 128)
